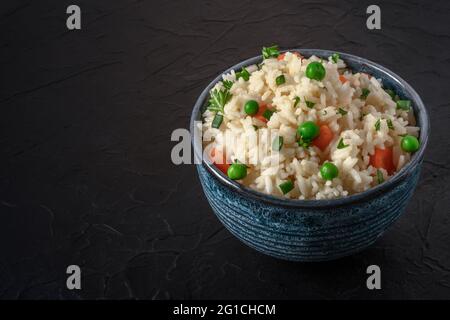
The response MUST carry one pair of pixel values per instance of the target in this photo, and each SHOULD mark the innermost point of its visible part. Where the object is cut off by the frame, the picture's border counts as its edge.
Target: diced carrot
(260, 114)
(383, 159)
(219, 160)
(282, 55)
(324, 138)
(342, 79)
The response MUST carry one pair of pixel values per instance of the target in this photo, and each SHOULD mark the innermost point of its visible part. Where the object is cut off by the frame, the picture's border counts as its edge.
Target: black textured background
(85, 171)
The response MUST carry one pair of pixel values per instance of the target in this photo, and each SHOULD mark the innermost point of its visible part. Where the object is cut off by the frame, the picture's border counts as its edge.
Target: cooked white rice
(267, 169)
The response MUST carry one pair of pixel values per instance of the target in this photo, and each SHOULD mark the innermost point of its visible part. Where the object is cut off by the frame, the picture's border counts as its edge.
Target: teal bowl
(313, 230)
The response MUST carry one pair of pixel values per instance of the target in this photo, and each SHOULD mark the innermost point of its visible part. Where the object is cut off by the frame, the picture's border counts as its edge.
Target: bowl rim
(420, 113)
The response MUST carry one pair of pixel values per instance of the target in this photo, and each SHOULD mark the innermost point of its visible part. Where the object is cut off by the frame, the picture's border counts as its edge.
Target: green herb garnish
(217, 121)
(244, 74)
(309, 104)
(404, 105)
(389, 124)
(267, 114)
(341, 144)
(280, 80)
(365, 92)
(287, 186)
(218, 100)
(342, 112)
(297, 100)
(378, 125)
(270, 52)
(335, 57)
(227, 84)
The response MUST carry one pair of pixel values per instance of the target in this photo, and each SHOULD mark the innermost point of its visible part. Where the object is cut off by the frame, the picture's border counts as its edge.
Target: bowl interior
(389, 80)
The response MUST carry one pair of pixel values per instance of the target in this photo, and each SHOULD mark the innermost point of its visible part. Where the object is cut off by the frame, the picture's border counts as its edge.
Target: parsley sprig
(270, 52)
(218, 100)
(227, 84)
(244, 74)
(335, 57)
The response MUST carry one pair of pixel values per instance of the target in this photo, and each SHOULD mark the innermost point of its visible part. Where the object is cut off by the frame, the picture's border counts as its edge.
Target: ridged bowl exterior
(306, 234)
(313, 230)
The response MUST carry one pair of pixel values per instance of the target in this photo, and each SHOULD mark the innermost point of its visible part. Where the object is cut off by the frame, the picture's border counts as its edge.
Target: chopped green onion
(341, 144)
(335, 57)
(277, 143)
(280, 80)
(389, 124)
(378, 125)
(287, 186)
(365, 92)
(342, 112)
(309, 104)
(270, 52)
(267, 114)
(297, 100)
(217, 121)
(380, 177)
(244, 74)
(404, 105)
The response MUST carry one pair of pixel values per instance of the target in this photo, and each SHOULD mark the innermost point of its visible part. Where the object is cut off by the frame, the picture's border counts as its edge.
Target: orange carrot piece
(219, 160)
(324, 138)
(259, 115)
(342, 79)
(383, 159)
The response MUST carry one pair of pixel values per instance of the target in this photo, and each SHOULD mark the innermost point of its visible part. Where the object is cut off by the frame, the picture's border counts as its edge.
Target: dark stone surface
(85, 171)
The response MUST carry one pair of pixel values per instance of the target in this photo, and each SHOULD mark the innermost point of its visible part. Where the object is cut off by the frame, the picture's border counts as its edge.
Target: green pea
(237, 171)
(329, 171)
(251, 107)
(410, 144)
(308, 130)
(315, 71)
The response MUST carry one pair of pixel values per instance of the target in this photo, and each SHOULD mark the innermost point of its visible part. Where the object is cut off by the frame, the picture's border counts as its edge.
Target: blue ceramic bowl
(313, 230)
